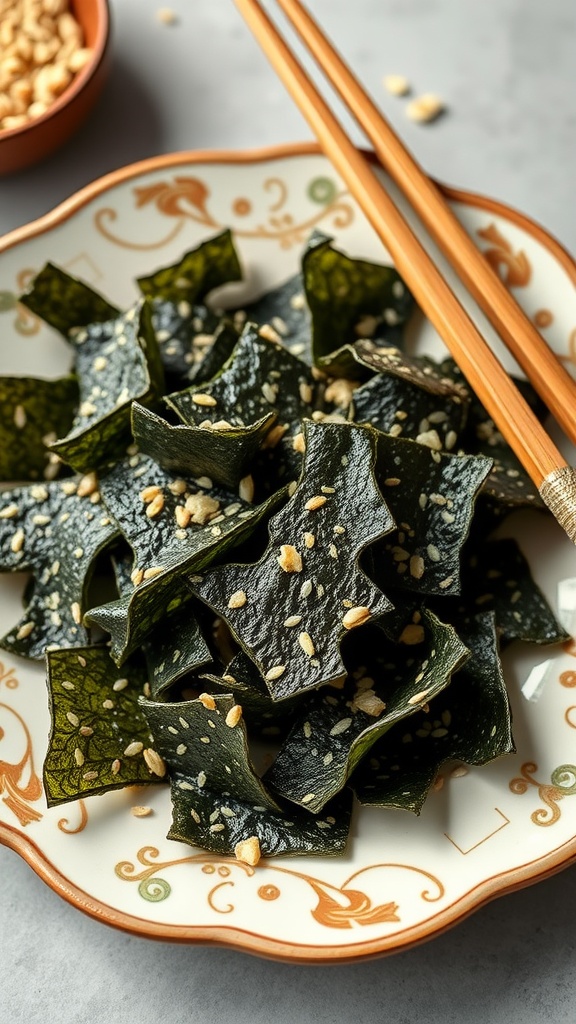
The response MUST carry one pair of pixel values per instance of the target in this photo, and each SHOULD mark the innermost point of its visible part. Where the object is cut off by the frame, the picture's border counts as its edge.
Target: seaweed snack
(260, 549)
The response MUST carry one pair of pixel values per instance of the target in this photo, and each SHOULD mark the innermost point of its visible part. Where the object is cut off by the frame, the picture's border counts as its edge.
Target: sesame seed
(275, 672)
(418, 698)
(202, 399)
(155, 763)
(208, 701)
(140, 811)
(316, 502)
(270, 392)
(153, 571)
(119, 685)
(306, 588)
(9, 511)
(355, 617)
(298, 443)
(238, 599)
(341, 726)
(234, 715)
(90, 776)
(133, 749)
(307, 644)
(293, 620)
(194, 814)
(305, 392)
(25, 630)
(248, 851)
(17, 542)
(412, 634)
(201, 779)
(290, 559)
(269, 334)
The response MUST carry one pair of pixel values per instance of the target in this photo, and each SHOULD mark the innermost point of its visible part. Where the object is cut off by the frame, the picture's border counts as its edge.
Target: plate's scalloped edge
(261, 155)
(275, 949)
(249, 942)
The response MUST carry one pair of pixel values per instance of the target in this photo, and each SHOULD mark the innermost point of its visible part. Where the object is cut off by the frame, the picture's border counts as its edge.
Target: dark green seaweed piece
(99, 740)
(116, 363)
(55, 530)
(260, 378)
(175, 647)
(431, 495)
(194, 342)
(508, 487)
(31, 411)
(211, 264)
(263, 715)
(64, 302)
(163, 547)
(405, 401)
(218, 800)
(350, 298)
(308, 585)
(221, 453)
(469, 721)
(286, 310)
(496, 577)
(336, 729)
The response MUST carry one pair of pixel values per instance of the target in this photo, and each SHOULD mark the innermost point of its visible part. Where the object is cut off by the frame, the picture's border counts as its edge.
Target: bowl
(23, 146)
(403, 879)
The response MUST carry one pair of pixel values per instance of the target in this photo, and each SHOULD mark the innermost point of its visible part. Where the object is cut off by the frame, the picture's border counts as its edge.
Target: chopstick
(545, 372)
(554, 478)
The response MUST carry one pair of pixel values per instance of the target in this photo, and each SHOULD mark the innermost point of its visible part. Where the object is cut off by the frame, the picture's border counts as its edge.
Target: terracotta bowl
(21, 147)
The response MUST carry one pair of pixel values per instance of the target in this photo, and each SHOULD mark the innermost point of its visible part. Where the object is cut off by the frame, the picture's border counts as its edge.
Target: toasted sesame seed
(341, 726)
(17, 542)
(237, 599)
(307, 644)
(305, 391)
(79, 757)
(418, 698)
(298, 443)
(417, 566)
(433, 553)
(90, 776)
(306, 588)
(199, 398)
(293, 620)
(234, 715)
(149, 493)
(248, 851)
(154, 570)
(85, 730)
(134, 748)
(108, 704)
(140, 811)
(208, 701)
(116, 766)
(316, 502)
(289, 559)
(355, 617)
(155, 506)
(9, 511)
(333, 551)
(246, 488)
(309, 540)
(155, 763)
(73, 719)
(412, 634)
(275, 672)
(120, 684)
(201, 779)
(194, 814)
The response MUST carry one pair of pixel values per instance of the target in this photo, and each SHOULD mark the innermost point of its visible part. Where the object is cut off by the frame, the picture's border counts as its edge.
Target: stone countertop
(506, 72)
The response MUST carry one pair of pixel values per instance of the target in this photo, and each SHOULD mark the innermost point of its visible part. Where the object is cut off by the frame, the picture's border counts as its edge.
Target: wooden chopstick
(545, 372)
(555, 479)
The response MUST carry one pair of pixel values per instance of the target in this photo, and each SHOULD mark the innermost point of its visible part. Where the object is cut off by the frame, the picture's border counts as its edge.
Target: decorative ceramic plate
(404, 878)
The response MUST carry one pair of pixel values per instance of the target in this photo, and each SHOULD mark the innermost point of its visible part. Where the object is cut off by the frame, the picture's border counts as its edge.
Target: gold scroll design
(20, 786)
(568, 679)
(25, 322)
(185, 198)
(514, 267)
(344, 906)
(562, 783)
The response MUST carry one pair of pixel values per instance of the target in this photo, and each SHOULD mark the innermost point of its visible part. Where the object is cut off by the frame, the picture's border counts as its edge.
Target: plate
(404, 878)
